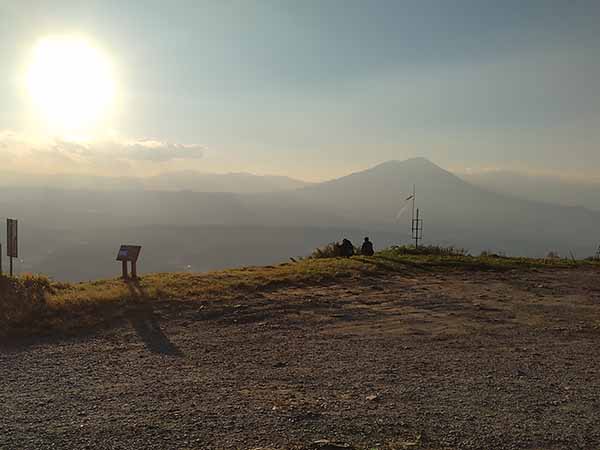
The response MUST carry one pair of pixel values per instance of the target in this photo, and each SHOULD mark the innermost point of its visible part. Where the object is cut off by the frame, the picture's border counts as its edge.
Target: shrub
(331, 250)
(433, 250)
(492, 254)
(21, 298)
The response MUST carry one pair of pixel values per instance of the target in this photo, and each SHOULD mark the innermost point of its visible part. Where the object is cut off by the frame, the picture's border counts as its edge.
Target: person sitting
(367, 248)
(346, 249)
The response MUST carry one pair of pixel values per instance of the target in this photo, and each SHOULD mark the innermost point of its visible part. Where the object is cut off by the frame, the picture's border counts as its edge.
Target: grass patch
(33, 305)
(451, 257)
(429, 250)
(71, 308)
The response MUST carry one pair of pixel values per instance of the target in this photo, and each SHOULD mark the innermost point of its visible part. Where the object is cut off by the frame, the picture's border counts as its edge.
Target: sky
(315, 89)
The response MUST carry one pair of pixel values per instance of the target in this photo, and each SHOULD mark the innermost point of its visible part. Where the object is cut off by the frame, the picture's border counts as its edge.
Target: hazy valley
(73, 234)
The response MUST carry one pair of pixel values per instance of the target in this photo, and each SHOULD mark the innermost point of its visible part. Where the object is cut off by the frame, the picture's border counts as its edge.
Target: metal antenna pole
(412, 221)
(417, 231)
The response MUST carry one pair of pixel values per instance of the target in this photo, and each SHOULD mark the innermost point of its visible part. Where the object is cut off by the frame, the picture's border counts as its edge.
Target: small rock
(325, 444)
(521, 373)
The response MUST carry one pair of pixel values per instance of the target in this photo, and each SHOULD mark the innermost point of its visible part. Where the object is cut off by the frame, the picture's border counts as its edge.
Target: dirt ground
(465, 360)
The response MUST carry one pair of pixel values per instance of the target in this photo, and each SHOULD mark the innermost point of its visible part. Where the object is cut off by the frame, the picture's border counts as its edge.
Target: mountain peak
(419, 161)
(414, 166)
(390, 176)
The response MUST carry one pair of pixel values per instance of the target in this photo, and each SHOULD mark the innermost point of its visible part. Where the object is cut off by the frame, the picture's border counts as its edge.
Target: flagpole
(413, 202)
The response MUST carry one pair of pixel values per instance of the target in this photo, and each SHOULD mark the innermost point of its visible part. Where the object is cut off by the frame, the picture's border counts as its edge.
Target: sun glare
(71, 83)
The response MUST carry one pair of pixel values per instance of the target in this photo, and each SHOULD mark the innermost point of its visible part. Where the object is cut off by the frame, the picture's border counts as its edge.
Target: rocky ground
(465, 360)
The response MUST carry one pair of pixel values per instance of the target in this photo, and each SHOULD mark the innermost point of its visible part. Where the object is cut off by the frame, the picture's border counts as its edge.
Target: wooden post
(124, 270)
(133, 270)
(12, 242)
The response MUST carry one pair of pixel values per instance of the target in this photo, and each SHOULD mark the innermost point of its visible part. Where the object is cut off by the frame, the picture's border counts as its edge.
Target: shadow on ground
(145, 322)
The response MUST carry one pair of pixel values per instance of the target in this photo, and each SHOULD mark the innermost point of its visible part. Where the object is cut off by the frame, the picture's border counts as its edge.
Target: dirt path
(455, 360)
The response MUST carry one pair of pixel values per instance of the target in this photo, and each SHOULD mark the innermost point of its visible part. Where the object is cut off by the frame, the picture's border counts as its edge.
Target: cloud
(32, 154)
(162, 151)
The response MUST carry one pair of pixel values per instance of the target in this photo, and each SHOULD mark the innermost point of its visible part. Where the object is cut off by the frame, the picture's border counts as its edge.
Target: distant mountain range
(168, 181)
(539, 187)
(72, 234)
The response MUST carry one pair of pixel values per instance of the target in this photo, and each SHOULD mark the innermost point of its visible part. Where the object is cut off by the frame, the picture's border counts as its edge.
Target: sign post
(12, 242)
(129, 253)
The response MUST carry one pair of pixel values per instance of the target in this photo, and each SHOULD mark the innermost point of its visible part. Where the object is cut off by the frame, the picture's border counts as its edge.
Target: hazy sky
(314, 89)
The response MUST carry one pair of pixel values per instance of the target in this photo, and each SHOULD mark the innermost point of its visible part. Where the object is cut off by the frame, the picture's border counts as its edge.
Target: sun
(71, 83)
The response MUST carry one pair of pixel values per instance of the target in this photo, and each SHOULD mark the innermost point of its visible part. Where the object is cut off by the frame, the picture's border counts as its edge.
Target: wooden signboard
(12, 238)
(129, 253)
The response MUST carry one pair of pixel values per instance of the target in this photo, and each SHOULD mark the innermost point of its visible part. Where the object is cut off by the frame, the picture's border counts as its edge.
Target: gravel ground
(442, 361)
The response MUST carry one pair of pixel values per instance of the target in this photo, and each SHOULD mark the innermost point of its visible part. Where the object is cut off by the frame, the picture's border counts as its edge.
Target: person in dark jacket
(346, 249)
(367, 248)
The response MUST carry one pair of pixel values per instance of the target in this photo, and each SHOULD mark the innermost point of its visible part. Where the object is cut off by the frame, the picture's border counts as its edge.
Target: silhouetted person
(346, 249)
(367, 248)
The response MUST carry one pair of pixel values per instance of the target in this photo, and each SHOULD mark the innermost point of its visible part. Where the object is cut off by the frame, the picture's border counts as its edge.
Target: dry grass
(33, 305)
(222, 284)
(22, 298)
(75, 307)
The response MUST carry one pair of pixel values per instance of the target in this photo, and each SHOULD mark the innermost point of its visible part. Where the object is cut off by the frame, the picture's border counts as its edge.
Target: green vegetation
(429, 250)
(451, 257)
(35, 305)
